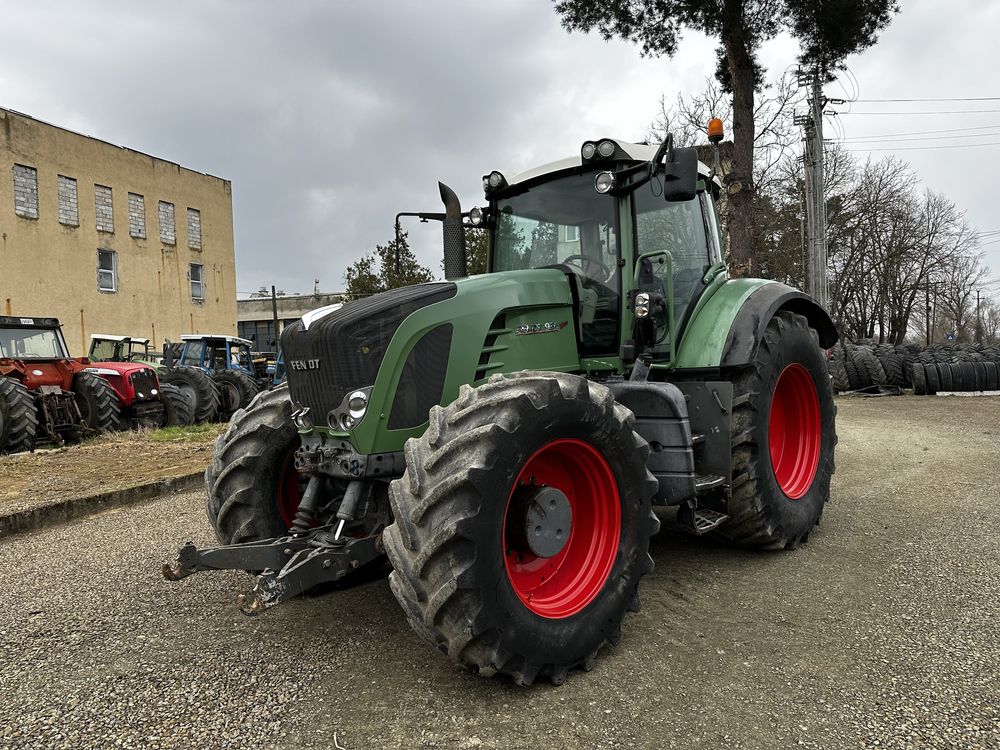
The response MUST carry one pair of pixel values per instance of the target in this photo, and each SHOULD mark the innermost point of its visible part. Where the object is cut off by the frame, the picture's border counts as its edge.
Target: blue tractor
(228, 361)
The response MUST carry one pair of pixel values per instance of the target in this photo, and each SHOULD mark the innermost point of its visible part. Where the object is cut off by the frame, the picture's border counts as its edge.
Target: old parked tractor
(229, 362)
(504, 438)
(126, 363)
(199, 393)
(44, 393)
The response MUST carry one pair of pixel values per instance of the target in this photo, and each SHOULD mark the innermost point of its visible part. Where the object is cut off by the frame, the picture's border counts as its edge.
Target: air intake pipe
(454, 235)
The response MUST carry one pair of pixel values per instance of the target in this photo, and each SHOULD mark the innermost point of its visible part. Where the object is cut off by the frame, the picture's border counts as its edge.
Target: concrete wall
(48, 264)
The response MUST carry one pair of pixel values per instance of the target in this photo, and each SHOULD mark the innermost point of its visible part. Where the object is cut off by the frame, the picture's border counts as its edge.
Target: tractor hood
(370, 371)
(131, 381)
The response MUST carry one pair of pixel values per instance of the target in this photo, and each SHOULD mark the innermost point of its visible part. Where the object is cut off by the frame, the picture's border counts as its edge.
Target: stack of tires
(856, 367)
(964, 375)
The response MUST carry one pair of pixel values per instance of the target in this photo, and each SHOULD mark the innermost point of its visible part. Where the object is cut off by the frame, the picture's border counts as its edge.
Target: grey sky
(330, 117)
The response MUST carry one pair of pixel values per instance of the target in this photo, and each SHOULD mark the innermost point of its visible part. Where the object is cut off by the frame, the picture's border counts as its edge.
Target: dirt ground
(103, 464)
(883, 631)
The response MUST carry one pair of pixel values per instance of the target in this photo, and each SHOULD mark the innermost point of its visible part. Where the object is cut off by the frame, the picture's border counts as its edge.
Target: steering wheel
(586, 262)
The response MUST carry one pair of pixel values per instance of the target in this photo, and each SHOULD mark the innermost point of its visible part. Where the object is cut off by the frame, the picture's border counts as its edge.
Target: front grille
(144, 381)
(349, 345)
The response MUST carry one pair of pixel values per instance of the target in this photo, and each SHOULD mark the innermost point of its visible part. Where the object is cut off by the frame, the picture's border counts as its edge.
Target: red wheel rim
(794, 432)
(289, 493)
(562, 585)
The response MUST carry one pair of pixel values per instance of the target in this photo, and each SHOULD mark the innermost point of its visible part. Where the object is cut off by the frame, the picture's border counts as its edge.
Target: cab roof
(223, 336)
(113, 337)
(16, 321)
(636, 151)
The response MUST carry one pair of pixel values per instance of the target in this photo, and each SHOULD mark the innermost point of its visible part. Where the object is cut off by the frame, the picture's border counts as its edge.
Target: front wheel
(98, 403)
(784, 435)
(522, 525)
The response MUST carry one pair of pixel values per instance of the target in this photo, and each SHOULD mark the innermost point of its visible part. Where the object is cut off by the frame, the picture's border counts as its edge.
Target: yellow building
(111, 240)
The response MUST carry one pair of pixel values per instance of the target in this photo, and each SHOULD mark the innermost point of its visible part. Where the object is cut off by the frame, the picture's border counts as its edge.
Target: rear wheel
(18, 417)
(522, 525)
(236, 391)
(783, 439)
(98, 403)
(177, 411)
(198, 388)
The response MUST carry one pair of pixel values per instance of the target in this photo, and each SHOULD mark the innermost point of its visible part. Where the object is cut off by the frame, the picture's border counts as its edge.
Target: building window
(107, 271)
(572, 233)
(136, 216)
(194, 229)
(168, 227)
(25, 191)
(103, 209)
(196, 273)
(69, 209)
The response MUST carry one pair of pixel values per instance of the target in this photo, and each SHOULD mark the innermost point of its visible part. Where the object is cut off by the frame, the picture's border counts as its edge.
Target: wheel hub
(547, 519)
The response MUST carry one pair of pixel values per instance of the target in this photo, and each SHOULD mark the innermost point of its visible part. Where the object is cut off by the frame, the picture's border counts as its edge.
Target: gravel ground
(882, 631)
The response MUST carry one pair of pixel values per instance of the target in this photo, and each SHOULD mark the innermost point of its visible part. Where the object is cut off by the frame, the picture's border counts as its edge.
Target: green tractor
(504, 439)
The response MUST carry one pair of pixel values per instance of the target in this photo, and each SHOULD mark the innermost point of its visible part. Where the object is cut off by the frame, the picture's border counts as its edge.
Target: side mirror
(680, 176)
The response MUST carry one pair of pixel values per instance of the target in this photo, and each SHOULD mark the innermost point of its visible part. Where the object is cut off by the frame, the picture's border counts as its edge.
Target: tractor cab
(106, 347)
(214, 353)
(634, 227)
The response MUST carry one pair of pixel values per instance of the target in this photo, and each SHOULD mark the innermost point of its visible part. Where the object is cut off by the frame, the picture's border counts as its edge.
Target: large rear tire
(253, 487)
(98, 403)
(18, 417)
(467, 575)
(198, 388)
(784, 435)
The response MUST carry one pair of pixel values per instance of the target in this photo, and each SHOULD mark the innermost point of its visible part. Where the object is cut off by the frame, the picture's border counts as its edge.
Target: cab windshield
(565, 223)
(31, 343)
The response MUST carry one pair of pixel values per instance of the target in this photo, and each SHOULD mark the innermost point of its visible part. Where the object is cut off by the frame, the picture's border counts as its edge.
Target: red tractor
(44, 393)
(145, 400)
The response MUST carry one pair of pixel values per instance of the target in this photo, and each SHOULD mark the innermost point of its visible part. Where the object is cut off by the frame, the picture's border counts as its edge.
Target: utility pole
(927, 318)
(274, 312)
(816, 267)
(979, 321)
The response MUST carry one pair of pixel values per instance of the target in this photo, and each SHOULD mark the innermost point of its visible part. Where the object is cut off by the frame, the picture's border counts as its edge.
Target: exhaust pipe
(454, 235)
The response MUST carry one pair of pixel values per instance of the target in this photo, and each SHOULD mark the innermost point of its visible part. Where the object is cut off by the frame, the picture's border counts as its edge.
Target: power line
(922, 132)
(932, 112)
(947, 99)
(926, 148)
(929, 138)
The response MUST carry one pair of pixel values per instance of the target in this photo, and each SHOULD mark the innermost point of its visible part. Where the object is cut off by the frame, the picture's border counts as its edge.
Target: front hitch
(291, 565)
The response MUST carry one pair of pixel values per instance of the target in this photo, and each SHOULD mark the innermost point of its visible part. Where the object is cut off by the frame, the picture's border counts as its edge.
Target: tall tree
(378, 270)
(828, 31)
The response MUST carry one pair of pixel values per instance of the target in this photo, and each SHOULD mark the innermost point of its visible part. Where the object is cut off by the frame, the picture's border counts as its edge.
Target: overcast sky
(329, 117)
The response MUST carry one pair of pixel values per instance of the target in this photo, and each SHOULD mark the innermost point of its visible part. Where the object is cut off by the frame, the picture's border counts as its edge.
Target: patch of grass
(191, 433)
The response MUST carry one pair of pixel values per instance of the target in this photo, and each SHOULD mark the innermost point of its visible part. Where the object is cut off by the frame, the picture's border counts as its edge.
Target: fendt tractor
(505, 438)
(44, 393)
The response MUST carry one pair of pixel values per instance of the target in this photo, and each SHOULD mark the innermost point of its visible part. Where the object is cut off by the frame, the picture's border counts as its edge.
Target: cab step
(699, 521)
(707, 482)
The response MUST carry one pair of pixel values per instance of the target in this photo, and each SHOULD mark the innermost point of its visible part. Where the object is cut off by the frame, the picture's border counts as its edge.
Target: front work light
(603, 182)
(494, 181)
(606, 148)
(588, 150)
(476, 216)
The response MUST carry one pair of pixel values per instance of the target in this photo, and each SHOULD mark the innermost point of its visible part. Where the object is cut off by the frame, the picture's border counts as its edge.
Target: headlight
(604, 182)
(588, 150)
(347, 422)
(357, 402)
(476, 216)
(641, 305)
